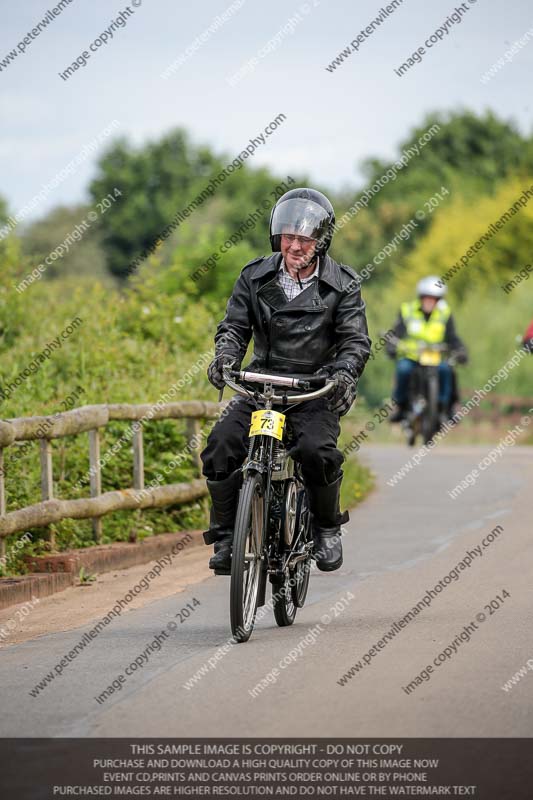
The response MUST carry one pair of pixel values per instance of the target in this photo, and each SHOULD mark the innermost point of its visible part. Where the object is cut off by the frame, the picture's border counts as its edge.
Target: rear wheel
(284, 608)
(247, 560)
(282, 597)
(302, 569)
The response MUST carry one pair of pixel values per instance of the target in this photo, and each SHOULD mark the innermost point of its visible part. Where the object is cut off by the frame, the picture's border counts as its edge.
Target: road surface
(400, 543)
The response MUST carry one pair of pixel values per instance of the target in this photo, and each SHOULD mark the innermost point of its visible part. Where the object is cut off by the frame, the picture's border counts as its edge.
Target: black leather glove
(214, 370)
(342, 396)
(460, 356)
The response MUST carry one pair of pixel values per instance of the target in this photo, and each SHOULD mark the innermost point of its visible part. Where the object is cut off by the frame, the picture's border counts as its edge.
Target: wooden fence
(497, 408)
(91, 419)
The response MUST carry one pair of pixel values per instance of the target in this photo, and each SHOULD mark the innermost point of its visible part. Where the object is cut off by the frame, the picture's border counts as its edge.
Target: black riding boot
(327, 520)
(224, 499)
(399, 413)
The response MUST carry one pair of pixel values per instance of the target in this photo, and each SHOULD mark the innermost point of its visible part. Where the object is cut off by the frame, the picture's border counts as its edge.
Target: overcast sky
(334, 119)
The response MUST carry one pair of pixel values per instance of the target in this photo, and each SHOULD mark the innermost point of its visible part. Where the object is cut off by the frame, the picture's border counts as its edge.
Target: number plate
(267, 422)
(430, 358)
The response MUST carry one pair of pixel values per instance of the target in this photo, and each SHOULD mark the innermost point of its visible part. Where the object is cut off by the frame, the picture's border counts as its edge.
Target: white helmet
(431, 286)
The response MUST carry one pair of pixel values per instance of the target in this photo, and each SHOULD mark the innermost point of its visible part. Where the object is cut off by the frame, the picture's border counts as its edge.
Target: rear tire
(282, 596)
(302, 570)
(284, 607)
(247, 563)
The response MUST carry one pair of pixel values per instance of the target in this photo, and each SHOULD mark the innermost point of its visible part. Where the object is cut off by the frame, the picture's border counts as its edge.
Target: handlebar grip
(313, 381)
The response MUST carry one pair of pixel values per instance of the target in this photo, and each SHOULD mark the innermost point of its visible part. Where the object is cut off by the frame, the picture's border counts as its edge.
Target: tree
(481, 149)
(3, 210)
(156, 180)
(72, 238)
(503, 251)
(468, 154)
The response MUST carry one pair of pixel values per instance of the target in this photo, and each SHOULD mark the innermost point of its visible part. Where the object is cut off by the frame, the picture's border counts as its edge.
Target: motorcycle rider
(427, 319)
(306, 315)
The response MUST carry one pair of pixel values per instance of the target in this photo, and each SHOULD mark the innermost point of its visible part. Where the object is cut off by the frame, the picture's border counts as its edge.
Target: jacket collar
(272, 293)
(329, 271)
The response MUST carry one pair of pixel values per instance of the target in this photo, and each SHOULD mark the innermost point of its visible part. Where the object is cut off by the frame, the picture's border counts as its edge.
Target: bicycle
(272, 535)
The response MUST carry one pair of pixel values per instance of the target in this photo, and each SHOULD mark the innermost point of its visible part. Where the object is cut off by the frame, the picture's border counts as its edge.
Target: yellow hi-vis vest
(432, 330)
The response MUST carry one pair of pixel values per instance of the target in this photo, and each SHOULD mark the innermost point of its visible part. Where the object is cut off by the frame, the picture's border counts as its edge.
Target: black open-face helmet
(304, 212)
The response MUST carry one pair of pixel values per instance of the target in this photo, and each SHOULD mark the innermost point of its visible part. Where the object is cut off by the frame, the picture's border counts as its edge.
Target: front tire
(430, 422)
(247, 561)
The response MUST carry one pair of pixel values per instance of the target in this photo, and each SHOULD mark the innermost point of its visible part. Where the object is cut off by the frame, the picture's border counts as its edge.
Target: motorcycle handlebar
(442, 347)
(279, 380)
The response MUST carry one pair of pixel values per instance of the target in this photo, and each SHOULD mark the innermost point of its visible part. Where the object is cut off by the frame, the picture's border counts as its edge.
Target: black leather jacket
(325, 325)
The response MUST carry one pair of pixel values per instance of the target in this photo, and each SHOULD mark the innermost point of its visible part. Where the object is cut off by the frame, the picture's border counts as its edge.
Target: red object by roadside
(528, 337)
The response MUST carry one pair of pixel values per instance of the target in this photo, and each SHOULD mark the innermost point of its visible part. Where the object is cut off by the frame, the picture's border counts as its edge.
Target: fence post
(193, 429)
(138, 456)
(2, 500)
(138, 470)
(47, 481)
(194, 443)
(95, 477)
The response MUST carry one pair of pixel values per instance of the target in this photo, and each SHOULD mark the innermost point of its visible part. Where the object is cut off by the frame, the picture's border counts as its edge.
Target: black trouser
(314, 431)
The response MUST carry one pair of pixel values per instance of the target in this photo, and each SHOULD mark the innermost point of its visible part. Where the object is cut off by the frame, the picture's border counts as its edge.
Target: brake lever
(232, 373)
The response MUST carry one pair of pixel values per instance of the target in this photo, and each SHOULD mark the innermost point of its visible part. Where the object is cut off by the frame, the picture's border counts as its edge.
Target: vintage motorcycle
(422, 418)
(272, 535)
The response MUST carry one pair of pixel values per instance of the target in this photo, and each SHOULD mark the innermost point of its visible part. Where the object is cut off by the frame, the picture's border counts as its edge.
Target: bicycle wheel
(301, 573)
(430, 422)
(282, 596)
(283, 603)
(247, 557)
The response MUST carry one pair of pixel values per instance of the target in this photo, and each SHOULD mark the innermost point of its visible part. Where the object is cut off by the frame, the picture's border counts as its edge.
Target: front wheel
(247, 560)
(430, 422)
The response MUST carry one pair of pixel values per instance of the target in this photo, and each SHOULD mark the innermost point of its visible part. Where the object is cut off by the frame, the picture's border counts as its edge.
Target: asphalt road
(401, 542)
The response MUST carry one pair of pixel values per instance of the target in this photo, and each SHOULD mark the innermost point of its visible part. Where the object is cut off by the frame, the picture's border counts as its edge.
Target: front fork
(260, 458)
(417, 397)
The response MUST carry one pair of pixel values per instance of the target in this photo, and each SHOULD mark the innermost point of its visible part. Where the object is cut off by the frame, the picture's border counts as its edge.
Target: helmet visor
(301, 217)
